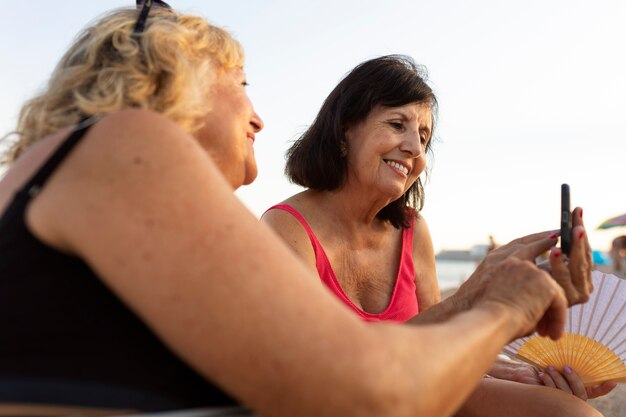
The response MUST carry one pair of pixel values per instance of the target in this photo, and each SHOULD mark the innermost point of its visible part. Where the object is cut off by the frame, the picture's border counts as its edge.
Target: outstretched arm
(526, 249)
(148, 210)
(573, 275)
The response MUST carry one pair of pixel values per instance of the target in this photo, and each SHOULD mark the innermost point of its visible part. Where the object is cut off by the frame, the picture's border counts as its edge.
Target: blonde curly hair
(167, 68)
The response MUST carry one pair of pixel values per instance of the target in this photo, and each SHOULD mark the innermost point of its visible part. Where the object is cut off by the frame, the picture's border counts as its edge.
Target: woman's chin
(249, 179)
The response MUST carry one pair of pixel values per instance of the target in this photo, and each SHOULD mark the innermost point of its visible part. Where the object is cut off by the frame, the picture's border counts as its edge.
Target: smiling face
(386, 151)
(229, 128)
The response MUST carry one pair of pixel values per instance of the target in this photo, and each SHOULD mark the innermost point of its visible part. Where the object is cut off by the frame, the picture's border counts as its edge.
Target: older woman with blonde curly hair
(131, 278)
(108, 70)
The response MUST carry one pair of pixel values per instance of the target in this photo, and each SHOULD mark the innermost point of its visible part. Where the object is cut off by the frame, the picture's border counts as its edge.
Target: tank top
(403, 303)
(66, 339)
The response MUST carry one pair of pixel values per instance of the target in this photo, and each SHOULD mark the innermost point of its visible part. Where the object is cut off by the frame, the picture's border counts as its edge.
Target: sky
(531, 94)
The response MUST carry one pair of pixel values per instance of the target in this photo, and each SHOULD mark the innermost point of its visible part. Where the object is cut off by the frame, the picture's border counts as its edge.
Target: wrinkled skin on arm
(245, 312)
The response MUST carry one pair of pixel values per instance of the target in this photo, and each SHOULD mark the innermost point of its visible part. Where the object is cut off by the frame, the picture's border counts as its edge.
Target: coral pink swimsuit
(403, 303)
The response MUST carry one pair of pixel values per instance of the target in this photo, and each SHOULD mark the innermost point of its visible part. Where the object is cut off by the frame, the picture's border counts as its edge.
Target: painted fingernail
(553, 236)
(581, 234)
(540, 374)
(550, 368)
(557, 253)
(567, 370)
(581, 213)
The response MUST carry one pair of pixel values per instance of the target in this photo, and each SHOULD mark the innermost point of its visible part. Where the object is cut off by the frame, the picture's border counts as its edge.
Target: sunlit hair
(168, 68)
(315, 159)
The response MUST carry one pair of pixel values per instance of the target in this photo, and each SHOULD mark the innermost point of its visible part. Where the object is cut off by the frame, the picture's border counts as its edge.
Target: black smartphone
(566, 220)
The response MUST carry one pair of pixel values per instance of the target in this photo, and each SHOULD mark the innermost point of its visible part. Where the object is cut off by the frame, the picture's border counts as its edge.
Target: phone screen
(566, 220)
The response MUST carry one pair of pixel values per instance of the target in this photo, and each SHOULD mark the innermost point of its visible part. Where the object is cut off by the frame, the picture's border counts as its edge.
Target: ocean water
(451, 274)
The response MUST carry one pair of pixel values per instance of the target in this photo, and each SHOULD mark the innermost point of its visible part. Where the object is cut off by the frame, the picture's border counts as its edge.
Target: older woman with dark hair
(358, 224)
(318, 160)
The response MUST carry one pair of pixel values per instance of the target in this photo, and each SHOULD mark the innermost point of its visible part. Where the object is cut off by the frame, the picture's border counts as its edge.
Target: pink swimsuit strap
(403, 303)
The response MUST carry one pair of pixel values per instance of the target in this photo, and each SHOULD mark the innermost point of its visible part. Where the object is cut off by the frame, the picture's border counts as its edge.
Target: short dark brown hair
(314, 160)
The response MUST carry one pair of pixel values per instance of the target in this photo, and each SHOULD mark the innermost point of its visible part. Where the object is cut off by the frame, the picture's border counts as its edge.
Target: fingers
(574, 274)
(600, 390)
(517, 372)
(577, 220)
(568, 381)
(532, 377)
(545, 266)
(531, 238)
(537, 301)
(530, 250)
(580, 263)
(526, 248)
(577, 217)
(529, 380)
(582, 258)
(531, 292)
(561, 274)
(575, 383)
(552, 324)
(547, 380)
(559, 380)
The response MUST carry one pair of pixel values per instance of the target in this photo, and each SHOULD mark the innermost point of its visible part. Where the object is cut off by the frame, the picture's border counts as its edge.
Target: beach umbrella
(614, 222)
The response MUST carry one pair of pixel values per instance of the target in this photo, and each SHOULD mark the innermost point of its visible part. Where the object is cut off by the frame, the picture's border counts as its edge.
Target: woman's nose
(257, 122)
(412, 145)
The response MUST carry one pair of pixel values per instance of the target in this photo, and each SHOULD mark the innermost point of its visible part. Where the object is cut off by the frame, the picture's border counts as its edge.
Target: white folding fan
(594, 344)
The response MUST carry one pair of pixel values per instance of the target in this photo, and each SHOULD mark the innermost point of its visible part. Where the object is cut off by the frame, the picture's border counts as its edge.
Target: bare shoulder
(137, 150)
(122, 157)
(291, 231)
(141, 131)
(283, 221)
(124, 143)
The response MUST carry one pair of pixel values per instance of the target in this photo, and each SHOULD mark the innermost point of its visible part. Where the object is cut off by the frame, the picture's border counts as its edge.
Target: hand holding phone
(566, 220)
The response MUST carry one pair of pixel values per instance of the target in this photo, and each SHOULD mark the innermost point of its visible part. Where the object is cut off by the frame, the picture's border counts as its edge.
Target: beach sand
(611, 405)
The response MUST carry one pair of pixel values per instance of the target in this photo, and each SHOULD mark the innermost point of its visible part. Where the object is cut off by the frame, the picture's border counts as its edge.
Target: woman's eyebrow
(396, 112)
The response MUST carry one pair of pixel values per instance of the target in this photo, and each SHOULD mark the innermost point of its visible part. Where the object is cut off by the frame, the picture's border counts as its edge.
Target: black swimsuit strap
(37, 181)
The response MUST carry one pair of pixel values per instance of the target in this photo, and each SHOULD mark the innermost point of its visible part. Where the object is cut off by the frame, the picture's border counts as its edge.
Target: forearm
(449, 359)
(441, 311)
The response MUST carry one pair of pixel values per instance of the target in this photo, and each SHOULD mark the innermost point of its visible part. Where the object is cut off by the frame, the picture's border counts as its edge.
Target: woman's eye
(396, 125)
